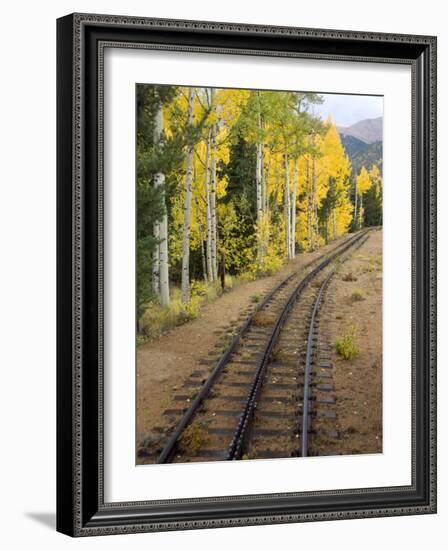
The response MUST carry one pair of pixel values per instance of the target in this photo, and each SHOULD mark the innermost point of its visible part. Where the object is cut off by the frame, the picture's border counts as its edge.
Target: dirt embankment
(356, 292)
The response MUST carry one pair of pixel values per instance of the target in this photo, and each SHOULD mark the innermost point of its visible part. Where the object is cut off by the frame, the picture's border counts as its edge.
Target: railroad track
(256, 402)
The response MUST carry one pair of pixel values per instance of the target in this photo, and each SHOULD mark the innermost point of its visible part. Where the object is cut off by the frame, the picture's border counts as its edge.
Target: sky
(348, 109)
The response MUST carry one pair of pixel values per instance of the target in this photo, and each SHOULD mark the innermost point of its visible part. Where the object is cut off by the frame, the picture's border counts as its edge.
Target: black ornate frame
(81, 39)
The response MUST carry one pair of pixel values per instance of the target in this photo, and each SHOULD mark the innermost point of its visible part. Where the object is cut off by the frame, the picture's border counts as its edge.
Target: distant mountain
(353, 146)
(361, 153)
(368, 130)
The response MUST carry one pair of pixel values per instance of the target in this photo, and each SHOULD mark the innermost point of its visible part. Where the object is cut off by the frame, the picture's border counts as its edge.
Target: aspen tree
(156, 261)
(309, 205)
(287, 209)
(266, 182)
(363, 184)
(214, 259)
(374, 199)
(275, 177)
(208, 209)
(333, 175)
(335, 230)
(294, 208)
(160, 259)
(314, 233)
(355, 216)
(259, 178)
(187, 208)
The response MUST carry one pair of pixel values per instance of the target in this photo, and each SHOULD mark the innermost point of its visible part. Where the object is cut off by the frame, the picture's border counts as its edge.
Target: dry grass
(357, 296)
(194, 437)
(262, 319)
(279, 355)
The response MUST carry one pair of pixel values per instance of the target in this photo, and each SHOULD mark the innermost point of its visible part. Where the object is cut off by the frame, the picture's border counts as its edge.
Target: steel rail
(308, 366)
(170, 446)
(242, 432)
(309, 360)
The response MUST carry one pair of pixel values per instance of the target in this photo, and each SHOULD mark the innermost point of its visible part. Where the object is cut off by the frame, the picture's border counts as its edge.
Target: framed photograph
(246, 274)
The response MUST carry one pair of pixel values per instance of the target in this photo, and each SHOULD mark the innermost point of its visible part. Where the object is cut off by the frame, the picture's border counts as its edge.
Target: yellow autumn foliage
(321, 162)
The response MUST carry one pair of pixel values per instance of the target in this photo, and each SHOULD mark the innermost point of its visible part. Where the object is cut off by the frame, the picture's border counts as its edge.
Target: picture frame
(81, 506)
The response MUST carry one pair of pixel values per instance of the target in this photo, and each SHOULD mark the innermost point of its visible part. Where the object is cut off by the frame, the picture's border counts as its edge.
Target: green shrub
(357, 296)
(346, 346)
(141, 339)
(271, 264)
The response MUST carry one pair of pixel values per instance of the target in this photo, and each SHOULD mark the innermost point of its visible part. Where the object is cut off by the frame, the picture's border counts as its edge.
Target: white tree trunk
(335, 229)
(207, 209)
(293, 209)
(259, 167)
(213, 205)
(259, 177)
(161, 260)
(187, 208)
(263, 182)
(361, 215)
(314, 206)
(287, 208)
(259, 183)
(356, 206)
(308, 196)
(266, 183)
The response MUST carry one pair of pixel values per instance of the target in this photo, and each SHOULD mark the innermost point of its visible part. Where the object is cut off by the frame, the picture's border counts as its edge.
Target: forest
(231, 184)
